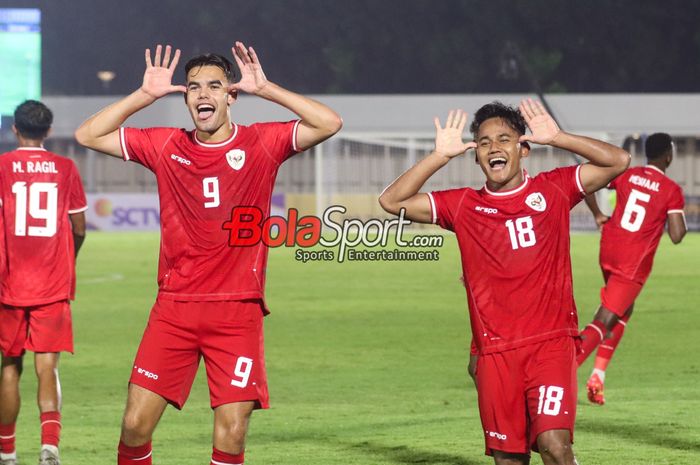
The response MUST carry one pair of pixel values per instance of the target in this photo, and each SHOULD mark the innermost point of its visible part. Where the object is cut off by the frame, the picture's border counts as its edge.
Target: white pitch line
(102, 279)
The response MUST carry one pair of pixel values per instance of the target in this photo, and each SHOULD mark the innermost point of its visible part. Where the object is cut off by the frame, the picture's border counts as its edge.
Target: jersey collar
(655, 168)
(218, 144)
(515, 190)
(32, 149)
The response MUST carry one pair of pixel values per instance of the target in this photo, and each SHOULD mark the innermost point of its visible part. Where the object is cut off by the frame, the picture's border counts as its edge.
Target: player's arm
(676, 227)
(592, 204)
(403, 192)
(101, 131)
(77, 221)
(605, 161)
(318, 122)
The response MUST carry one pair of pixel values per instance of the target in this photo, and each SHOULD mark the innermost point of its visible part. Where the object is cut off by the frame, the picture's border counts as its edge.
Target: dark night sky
(386, 46)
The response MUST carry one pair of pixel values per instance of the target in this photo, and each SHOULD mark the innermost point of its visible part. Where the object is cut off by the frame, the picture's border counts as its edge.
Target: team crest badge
(235, 158)
(536, 201)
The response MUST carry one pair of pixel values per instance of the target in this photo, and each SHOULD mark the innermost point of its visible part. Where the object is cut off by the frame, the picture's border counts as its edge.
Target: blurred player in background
(513, 236)
(646, 200)
(43, 220)
(210, 299)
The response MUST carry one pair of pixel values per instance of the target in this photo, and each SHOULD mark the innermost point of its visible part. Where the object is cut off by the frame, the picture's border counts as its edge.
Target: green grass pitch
(366, 364)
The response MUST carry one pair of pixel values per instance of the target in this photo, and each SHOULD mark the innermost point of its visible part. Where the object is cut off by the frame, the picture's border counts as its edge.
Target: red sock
(139, 455)
(607, 348)
(592, 335)
(50, 428)
(7, 438)
(222, 458)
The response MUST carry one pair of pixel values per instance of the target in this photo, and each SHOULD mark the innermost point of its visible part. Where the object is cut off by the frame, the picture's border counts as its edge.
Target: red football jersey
(198, 186)
(515, 257)
(645, 197)
(38, 190)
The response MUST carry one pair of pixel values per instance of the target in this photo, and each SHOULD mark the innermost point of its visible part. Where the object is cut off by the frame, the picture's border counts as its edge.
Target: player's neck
(220, 135)
(512, 183)
(29, 143)
(660, 166)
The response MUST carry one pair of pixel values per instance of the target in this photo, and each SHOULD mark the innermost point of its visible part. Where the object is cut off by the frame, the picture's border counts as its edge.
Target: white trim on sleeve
(78, 210)
(578, 180)
(676, 211)
(294, 136)
(122, 142)
(433, 210)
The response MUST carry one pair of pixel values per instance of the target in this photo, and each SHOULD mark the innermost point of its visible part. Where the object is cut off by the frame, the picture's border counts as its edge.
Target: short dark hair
(657, 145)
(212, 59)
(33, 119)
(496, 109)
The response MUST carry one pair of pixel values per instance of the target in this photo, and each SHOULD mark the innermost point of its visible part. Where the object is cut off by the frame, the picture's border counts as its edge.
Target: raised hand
(543, 127)
(158, 77)
(253, 78)
(448, 140)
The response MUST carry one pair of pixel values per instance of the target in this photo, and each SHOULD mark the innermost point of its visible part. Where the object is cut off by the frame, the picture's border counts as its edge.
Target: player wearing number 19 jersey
(43, 224)
(646, 200)
(210, 300)
(513, 236)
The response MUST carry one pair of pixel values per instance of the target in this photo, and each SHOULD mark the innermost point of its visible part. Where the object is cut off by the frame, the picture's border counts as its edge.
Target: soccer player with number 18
(513, 236)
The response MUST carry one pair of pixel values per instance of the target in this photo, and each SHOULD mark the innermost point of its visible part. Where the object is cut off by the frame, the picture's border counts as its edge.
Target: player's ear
(14, 130)
(232, 96)
(524, 149)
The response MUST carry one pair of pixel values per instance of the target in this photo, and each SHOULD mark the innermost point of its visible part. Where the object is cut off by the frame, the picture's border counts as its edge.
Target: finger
(533, 107)
(166, 56)
(436, 121)
(239, 63)
(450, 118)
(525, 138)
(525, 111)
(243, 53)
(462, 121)
(541, 108)
(253, 55)
(470, 145)
(149, 63)
(156, 60)
(182, 89)
(176, 60)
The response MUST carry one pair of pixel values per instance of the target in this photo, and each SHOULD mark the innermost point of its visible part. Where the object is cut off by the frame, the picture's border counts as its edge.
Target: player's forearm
(596, 151)
(78, 242)
(592, 204)
(110, 118)
(322, 120)
(410, 183)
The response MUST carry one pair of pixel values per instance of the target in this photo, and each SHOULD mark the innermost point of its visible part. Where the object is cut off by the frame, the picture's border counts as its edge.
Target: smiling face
(208, 101)
(498, 152)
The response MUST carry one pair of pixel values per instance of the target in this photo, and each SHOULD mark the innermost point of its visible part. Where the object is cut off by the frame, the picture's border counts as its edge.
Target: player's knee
(136, 429)
(231, 436)
(557, 452)
(12, 368)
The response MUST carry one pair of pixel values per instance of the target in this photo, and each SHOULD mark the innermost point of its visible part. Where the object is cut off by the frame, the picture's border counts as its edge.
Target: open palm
(542, 126)
(252, 76)
(448, 140)
(158, 77)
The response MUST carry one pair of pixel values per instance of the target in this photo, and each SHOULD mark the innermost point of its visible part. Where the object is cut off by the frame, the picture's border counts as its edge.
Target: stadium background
(367, 360)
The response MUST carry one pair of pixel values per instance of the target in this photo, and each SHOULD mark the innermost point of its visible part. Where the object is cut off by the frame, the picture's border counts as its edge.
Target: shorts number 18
(550, 400)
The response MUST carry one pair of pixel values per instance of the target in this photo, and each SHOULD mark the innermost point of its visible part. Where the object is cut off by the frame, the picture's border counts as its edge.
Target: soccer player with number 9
(43, 225)
(513, 236)
(210, 300)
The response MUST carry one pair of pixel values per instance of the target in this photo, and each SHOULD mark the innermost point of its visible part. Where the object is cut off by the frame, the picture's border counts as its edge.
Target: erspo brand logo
(488, 210)
(179, 159)
(146, 373)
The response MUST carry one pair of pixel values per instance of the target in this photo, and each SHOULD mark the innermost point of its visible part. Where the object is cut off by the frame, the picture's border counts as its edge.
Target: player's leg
(507, 458)
(595, 383)
(552, 393)
(230, 429)
(595, 332)
(9, 407)
(163, 372)
(14, 327)
(232, 347)
(49, 402)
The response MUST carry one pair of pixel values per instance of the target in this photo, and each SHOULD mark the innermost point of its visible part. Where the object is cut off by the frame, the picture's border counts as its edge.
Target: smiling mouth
(205, 111)
(497, 163)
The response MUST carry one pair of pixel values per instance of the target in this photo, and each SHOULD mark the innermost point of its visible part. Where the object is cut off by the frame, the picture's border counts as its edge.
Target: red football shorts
(619, 293)
(227, 334)
(526, 391)
(40, 328)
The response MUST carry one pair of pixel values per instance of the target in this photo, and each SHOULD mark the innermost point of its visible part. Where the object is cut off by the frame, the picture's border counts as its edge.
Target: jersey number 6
(633, 207)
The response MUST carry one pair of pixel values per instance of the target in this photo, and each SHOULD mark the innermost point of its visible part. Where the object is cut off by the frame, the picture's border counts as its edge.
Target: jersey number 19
(31, 197)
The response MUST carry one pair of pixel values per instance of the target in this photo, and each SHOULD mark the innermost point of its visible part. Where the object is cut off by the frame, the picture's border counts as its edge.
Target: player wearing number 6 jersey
(646, 200)
(42, 206)
(513, 236)
(210, 299)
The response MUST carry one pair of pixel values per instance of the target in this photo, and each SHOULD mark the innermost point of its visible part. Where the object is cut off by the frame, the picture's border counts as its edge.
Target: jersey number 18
(521, 232)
